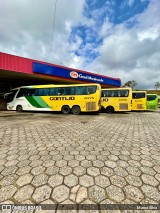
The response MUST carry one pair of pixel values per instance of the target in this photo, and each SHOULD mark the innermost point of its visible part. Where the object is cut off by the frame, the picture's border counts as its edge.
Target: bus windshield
(10, 96)
(138, 95)
(151, 97)
(115, 93)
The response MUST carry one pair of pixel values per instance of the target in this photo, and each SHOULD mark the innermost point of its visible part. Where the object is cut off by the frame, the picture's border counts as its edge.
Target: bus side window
(53, 91)
(91, 90)
(61, 91)
(115, 93)
(32, 91)
(36, 92)
(123, 93)
(46, 92)
(40, 92)
(80, 91)
(69, 91)
(110, 93)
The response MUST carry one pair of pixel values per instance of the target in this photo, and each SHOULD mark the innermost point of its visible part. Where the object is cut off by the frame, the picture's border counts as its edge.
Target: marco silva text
(147, 207)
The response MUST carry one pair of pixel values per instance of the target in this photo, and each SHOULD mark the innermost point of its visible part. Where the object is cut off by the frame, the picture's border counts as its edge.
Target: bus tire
(65, 109)
(76, 110)
(110, 109)
(19, 108)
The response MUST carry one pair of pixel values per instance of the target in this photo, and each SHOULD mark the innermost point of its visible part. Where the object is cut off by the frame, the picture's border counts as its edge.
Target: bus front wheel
(19, 108)
(110, 109)
(65, 110)
(76, 110)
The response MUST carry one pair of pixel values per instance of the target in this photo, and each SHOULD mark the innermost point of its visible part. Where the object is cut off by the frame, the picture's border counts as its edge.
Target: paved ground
(101, 158)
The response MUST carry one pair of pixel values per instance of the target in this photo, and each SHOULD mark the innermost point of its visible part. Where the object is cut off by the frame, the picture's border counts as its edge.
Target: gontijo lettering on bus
(62, 98)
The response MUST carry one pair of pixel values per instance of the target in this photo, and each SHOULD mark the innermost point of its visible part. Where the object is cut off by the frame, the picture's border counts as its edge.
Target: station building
(18, 71)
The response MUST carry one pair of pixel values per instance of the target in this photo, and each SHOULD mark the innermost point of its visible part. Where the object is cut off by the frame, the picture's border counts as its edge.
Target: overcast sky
(118, 38)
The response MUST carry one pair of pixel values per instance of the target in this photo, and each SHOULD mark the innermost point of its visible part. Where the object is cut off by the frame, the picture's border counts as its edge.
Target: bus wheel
(19, 108)
(76, 110)
(110, 109)
(65, 109)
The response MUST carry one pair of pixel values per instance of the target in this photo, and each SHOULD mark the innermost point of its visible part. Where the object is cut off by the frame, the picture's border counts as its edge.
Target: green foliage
(131, 84)
(157, 85)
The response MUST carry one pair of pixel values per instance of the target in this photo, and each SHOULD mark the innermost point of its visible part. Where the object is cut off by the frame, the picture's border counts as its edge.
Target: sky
(117, 38)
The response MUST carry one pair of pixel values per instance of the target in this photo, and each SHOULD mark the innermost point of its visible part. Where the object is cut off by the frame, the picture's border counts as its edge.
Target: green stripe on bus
(32, 101)
(41, 102)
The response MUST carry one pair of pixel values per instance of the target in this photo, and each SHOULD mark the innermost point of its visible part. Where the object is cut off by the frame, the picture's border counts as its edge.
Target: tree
(157, 85)
(131, 84)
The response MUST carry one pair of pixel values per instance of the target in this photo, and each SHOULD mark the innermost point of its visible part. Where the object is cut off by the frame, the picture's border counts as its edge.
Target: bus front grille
(139, 106)
(123, 106)
(90, 106)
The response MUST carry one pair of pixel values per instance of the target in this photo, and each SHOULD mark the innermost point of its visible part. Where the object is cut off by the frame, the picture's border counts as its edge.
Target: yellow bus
(139, 100)
(65, 98)
(116, 99)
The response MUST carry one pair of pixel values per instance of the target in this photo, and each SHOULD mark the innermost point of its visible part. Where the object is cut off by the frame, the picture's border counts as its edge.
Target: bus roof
(138, 91)
(122, 88)
(57, 85)
(153, 94)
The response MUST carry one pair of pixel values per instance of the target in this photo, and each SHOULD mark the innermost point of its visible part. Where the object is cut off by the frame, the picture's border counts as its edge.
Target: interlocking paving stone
(133, 171)
(9, 170)
(133, 180)
(23, 163)
(107, 171)
(24, 180)
(149, 180)
(52, 170)
(118, 181)
(38, 170)
(120, 171)
(65, 170)
(8, 180)
(110, 164)
(61, 163)
(98, 163)
(86, 163)
(7, 192)
(71, 180)
(157, 168)
(11, 163)
(86, 180)
(96, 194)
(81, 194)
(41, 193)
(93, 171)
(36, 163)
(109, 158)
(60, 193)
(55, 180)
(1, 168)
(24, 193)
(115, 193)
(151, 192)
(79, 170)
(73, 163)
(40, 180)
(133, 193)
(102, 181)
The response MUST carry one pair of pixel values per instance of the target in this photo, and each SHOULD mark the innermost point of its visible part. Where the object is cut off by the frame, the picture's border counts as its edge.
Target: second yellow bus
(116, 99)
(139, 100)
